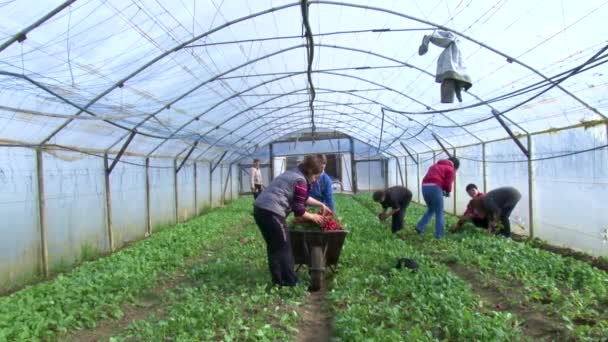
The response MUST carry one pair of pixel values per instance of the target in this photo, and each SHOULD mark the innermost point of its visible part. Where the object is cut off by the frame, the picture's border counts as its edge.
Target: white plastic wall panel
(185, 192)
(75, 203)
(20, 246)
(162, 193)
(128, 193)
(570, 192)
(203, 185)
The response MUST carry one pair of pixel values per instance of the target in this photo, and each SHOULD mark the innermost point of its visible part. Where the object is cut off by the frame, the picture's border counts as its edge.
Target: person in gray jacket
(496, 206)
(287, 193)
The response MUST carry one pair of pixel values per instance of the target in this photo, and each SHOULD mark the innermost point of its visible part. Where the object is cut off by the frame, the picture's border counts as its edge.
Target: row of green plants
(98, 289)
(372, 300)
(228, 298)
(571, 290)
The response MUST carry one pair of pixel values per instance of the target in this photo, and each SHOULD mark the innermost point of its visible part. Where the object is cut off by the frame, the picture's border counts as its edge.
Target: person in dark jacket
(322, 189)
(398, 198)
(437, 183)
(469, 214)
(496, 206)
(286, 193)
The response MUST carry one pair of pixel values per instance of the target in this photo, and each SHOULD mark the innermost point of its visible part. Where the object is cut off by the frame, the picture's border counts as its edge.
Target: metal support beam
(406, 175)
(44, 252)
(434, 157)
(484, 167)
(121, 152)
(400, 172)
(418, 176)
(381, 131)
(353, 165)
(441, 144)
(271, 153)
(530, 186)
(22, 35)
(511, 134)
(195, 189)
(108, 197)
(455, 183)
(385, 164)
(218, 161)
(210, 186)
(148, 213)
(175, 191)
(226, 184)
(187, 156)
(408, 152)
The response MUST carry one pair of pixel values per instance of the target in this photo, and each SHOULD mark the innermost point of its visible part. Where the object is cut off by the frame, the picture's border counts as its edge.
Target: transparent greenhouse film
(128, 193)
(185, 191)
(75, 207)
(577, 218)
(21, 254)
(203, 185)
(162, 193)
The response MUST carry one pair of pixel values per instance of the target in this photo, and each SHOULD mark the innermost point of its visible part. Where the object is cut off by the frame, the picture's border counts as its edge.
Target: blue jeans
(433, 197)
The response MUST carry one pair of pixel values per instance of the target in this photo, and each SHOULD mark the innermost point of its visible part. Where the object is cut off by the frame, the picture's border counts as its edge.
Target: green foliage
(97, 289)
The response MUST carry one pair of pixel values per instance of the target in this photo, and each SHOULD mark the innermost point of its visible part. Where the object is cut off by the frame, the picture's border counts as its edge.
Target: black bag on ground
(407, 263)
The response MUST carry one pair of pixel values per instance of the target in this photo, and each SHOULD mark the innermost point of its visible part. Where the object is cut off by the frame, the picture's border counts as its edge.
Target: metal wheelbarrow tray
(317, 249)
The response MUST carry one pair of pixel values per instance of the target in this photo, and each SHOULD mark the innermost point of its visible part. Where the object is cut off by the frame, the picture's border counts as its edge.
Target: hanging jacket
(442, 174)
(451, 72)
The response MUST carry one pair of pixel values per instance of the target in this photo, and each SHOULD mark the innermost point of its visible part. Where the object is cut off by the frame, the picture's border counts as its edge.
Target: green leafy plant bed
(374, 301)
(96, 290)
(228, 299)
(566, 290)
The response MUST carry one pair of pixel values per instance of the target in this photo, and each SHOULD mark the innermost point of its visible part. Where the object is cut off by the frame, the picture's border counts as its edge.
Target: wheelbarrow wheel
(317, 268)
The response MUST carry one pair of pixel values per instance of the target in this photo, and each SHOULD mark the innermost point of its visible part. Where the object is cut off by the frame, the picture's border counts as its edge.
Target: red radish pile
(330, 223)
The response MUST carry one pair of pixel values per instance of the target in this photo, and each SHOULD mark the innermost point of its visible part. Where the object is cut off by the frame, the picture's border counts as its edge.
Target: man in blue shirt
(322, 190)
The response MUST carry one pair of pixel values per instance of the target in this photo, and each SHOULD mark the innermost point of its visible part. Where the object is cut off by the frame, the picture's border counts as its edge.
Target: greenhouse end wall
(75, 211)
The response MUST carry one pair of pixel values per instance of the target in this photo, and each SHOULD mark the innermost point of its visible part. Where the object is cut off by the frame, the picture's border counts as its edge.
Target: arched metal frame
(309, 45)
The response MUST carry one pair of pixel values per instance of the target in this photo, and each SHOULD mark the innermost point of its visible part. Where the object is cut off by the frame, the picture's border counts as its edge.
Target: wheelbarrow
(317, 250)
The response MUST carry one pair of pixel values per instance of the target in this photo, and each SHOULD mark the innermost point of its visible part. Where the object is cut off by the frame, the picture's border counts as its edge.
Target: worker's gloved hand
(446, 194)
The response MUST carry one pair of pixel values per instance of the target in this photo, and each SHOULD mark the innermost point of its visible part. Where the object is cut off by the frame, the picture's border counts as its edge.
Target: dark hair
(455, 161)
(311, 165)
(378, 196)
(256, 160)
(322, 159)
(471, 186)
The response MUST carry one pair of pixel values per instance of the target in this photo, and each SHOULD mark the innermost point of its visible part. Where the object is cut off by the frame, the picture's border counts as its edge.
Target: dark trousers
(398, 217)
(278, 247)
(480, 222)
(504, 219)
(257, 190)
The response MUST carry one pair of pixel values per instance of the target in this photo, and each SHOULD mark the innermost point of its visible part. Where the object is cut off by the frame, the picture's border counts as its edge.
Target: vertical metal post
(175, 190)
(385, 163)
(455, 182)
(42, 213)
(406, 175)
(271, 167)
(353, 166)
(434, 157)
(484, 167)
(148, 214)
(108, 196)
(530, 186)
(418, 176)
(223, 190)
(210, 186)
(195, 189)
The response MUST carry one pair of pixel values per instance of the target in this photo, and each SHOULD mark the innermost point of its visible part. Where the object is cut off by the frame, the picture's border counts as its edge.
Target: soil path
(315, 325)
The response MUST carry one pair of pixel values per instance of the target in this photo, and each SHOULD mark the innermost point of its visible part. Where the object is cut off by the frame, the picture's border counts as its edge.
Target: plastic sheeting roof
(232, 75)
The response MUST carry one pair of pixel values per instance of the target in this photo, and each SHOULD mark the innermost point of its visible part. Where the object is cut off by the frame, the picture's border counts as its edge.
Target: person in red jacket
(436, 184)
(470, 214)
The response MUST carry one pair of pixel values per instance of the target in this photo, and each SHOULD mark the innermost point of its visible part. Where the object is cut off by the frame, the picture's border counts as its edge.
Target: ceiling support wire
(310, 49)
(22, 35)
(441, 27)
(164, 54)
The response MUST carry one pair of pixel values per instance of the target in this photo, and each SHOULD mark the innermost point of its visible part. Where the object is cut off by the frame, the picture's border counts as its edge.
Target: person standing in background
(256, 179)
(322, 190)
(436, 184)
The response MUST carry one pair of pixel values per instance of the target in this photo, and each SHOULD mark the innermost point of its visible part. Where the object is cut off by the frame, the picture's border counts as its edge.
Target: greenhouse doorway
(333, 167)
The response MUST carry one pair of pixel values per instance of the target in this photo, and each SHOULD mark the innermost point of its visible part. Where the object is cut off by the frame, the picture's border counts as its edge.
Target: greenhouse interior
(406, 170)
